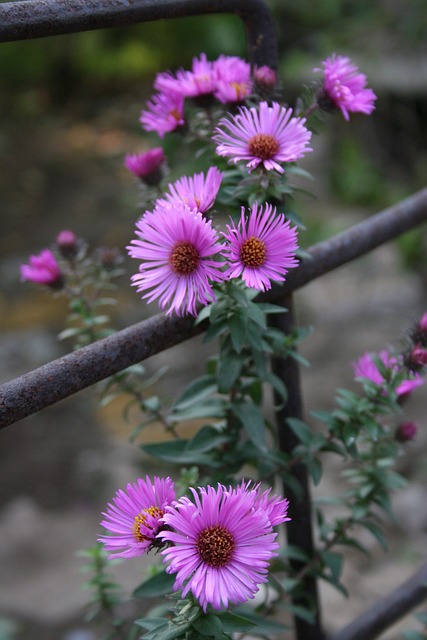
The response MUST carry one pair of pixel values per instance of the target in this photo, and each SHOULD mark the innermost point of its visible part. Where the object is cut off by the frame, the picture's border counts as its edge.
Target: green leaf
(315, 470)
(301, 430)
(158, 585)
(376, 532)
(229, 370)
(176, 451)
(334, 561)
(234, 623)
(206, 439)
(413, 635)
(209, 625)
(252, 421)
(195, 391)
(238, 331)
(264, 626)
(211, 408)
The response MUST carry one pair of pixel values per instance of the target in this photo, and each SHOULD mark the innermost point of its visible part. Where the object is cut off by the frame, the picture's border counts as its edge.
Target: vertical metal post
(299, 529)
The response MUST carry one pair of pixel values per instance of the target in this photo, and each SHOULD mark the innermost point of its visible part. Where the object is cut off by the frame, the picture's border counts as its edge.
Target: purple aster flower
(222, 545)
(366, 367)
(165, 113)
(233, 79)
(146, 166)
(261, 247)
(198, 192)
(344, 87)
(43, 269)
(263, 136)
(200, 81)
(134, 518)
(177, 247)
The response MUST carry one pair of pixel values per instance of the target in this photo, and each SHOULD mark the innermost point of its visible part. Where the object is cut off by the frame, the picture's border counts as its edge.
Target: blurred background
(69, 110)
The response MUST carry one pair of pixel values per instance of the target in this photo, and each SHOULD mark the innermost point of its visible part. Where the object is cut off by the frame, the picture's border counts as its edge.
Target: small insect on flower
(344, 87)
(222, 543)
(261, 248)
(177, 249)
(43, 269)
(265, 136)
(198, 191)
(134, 518)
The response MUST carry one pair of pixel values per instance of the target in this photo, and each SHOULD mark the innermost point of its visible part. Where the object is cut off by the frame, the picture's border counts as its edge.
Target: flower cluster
(399, 373)
(384, 367)
(182, 258)
(227, 79)
(219, 542)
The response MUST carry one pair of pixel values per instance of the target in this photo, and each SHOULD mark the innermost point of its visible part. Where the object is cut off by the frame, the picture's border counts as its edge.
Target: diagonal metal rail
(40, 18)
(86, 366)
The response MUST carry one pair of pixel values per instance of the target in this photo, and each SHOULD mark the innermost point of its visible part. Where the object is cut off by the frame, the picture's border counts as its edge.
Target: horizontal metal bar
(388, 610)
(39, 18)
(80, 369)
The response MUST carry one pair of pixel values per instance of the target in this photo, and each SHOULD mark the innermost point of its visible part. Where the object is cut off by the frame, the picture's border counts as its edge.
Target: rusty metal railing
(56, 380)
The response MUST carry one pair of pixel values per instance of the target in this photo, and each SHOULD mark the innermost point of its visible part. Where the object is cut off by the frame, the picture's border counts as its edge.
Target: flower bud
(265, 77)
(146, 166)
(419, 332)
(406, 431)
(67, 243)
(417, 358)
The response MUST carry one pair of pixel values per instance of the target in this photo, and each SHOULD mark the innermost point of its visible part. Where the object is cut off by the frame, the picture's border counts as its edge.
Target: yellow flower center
(215, 546)
(263, 146)
(184, 258)
(141, 519)
(253, 252)
(241, 89)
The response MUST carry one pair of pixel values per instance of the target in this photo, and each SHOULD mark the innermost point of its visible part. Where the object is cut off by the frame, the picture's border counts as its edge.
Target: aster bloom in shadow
(134, 518)
(261, 248)
(198, 191)
(344, 87)
(367, 367)
(177, 247)
(164, 113)
(233, 79)
(266, 136)
(146, 166)
(43, 269)
(222, 542)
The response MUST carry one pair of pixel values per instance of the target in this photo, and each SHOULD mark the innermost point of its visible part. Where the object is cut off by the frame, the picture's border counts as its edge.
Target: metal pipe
(299, 531)
(39, 18)
(388, 610)
(71, 373)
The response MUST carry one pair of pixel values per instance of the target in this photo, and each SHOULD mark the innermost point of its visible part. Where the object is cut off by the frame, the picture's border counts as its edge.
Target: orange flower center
(175, 114)
(263, 146)
(253, 252)
(184, 258)
(215, 546)
(141, 519)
